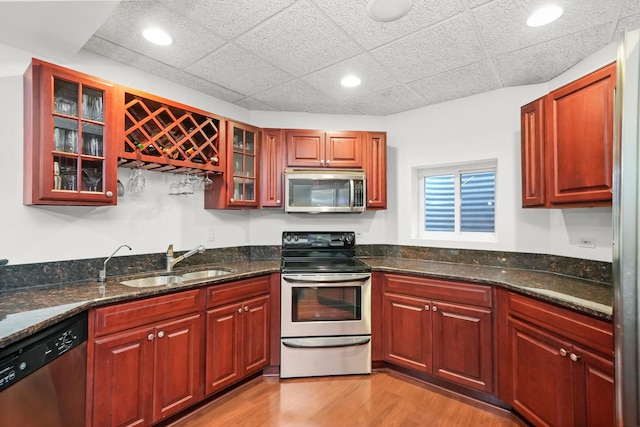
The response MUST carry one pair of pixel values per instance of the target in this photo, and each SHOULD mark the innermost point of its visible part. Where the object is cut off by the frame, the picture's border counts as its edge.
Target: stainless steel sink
(147, 282)
(205, 274)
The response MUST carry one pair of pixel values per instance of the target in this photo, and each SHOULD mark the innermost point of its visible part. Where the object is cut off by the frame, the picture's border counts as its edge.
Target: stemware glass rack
(165, 136)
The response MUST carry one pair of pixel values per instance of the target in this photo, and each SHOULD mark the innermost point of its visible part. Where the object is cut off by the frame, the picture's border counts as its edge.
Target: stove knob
(295, 237)
(349, 239)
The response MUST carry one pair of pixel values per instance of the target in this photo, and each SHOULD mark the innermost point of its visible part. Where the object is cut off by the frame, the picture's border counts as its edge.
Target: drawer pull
(563, 352)
(160, 334)
(434, 308)
(150, 337)
(574, 357)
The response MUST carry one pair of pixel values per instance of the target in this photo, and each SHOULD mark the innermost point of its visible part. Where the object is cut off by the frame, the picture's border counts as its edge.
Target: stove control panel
(320, 239)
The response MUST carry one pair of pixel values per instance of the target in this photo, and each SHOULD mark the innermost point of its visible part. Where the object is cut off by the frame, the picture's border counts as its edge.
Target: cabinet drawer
(592, 333)
(236, 291)
(441, 290)
(131, 314)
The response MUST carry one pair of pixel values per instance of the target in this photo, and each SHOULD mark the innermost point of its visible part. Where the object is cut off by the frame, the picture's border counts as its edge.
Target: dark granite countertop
(28, 310)
(593, 298)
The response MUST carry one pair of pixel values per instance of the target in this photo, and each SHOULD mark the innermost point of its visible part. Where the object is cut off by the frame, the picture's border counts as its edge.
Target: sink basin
(204, 274)
(147, 282)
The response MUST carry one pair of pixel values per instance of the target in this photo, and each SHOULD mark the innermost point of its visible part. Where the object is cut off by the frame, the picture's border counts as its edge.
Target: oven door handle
(329, 342)
(320, 278)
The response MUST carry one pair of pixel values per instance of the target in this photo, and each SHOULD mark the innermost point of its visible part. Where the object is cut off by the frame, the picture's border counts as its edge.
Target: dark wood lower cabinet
(407, 326)
(450, 339)
(542, 388)
(144, 375)
(462, 343)
(237, 341)
(555, 366)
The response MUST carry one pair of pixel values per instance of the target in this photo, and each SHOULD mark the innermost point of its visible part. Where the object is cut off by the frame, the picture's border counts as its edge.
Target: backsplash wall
(61, 272)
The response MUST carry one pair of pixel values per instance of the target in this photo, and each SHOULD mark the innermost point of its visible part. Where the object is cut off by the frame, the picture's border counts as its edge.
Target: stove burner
(320, 252)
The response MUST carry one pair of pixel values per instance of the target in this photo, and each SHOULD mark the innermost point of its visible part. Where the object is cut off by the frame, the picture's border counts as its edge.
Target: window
(457, 200)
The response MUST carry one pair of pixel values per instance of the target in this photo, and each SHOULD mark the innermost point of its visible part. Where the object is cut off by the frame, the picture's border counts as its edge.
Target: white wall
(483, 126)
(487, 126)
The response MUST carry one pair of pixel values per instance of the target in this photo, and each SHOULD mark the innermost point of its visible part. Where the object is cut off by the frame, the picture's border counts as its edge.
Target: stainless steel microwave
(325, 190)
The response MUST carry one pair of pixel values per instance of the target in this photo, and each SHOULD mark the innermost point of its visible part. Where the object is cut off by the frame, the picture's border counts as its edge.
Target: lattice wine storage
(165, 136)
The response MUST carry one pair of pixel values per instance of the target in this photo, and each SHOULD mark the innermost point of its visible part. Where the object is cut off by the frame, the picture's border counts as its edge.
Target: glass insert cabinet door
(244, 166)
(72, 143)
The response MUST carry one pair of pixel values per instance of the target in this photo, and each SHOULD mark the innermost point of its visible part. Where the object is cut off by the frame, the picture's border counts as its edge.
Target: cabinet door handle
(574, 357)
(150, 337)
(240, 310)
(426, 307)
(160, 334)
(370, 202)
(434, 308)
(328, 162)
(246, 308)
(109, 193)
(563, 352)
(232, 200)
(278, 201)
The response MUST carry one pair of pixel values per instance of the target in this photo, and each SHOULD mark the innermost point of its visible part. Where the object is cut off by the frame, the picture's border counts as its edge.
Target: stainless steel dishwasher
(43, 377)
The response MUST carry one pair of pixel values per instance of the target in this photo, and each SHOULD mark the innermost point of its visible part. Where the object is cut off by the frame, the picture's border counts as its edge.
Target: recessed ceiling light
(544, 15)
(388, 10)
(157, 36)
(350, 81)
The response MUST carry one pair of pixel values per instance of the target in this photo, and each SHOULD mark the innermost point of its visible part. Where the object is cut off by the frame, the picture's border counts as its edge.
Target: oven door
(325, 304)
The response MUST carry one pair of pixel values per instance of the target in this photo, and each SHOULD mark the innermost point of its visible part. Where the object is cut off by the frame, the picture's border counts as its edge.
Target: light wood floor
(379, 399)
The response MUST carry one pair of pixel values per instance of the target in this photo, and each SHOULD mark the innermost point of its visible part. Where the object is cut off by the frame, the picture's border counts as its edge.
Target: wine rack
(164, 136)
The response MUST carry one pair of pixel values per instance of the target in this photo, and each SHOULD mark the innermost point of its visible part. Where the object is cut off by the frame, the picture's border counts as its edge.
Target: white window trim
(452, 169)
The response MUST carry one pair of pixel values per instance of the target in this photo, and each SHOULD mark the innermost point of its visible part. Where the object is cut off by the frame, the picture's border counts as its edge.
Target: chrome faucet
(171, 261)
(102, 276)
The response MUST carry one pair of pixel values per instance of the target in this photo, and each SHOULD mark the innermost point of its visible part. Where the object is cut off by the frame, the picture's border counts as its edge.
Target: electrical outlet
(587, 242)
(211, 234)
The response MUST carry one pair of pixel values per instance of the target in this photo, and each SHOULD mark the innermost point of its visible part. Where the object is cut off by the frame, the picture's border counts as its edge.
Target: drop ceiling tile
(476, 3)
(238, 70)
(388, 101)
(252, 104)
(464, 81)
(336, 109)
(439, 48)
(352, 17)
(190, 41)
(227, 18)
(294, 95)
(630, 7)
(128, 57)
(374, 77)
(502, 23)
(544, 61)
(299, 40)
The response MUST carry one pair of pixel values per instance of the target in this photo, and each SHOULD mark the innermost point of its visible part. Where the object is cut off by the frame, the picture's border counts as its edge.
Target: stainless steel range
(326, 306)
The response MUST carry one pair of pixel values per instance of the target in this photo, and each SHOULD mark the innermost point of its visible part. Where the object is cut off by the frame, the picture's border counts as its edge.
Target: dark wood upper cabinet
(532, 148)
(272, 168)
(376, 169)
(69, 138)
(239, 185)
(569, 133)
(311, 148)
